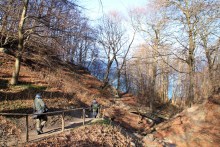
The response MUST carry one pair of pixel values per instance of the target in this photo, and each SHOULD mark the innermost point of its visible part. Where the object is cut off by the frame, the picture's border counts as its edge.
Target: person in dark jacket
(95, 108)
(40, 108)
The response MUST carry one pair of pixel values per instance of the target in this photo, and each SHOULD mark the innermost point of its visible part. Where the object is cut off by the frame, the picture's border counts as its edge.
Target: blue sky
(94, 7)
(94, 10)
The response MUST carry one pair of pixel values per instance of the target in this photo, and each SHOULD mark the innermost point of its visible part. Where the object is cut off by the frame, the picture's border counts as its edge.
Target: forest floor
(66, 86)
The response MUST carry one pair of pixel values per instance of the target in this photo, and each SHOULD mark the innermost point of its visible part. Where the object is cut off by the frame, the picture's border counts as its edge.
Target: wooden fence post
(27, 133)
(84, 116)
(63, 122)
(100, 112)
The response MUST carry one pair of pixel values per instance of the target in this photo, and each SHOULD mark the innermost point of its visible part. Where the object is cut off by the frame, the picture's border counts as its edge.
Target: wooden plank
(54, 112)
(63, 122)
(84, 114)
(27, 133)
(100, 112)
(147, 115)
(13, 114)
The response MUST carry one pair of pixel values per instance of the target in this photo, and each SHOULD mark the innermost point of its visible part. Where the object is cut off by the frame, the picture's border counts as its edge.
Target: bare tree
(185, 15)
(113, 40)
(18, 56)
(121, 65)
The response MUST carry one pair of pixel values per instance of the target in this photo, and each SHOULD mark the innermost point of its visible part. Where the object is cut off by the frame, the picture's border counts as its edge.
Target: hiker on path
(40, 108)
(95, 108)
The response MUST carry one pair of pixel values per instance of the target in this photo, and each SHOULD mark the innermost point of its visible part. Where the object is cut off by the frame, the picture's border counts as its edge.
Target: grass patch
(101, 121)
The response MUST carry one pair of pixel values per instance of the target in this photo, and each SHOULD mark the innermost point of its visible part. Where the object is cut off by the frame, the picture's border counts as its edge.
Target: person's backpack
(46, 109)
(37, 114)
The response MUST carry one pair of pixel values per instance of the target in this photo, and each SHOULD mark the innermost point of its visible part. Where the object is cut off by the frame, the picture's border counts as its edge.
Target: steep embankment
(195, 126)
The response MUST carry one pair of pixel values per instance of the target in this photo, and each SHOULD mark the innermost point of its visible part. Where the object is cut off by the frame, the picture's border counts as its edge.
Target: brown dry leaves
(8, 131)
(94, 135)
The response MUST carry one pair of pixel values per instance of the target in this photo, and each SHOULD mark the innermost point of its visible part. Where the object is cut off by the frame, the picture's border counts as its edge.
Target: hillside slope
(195, 126)
(63, 86)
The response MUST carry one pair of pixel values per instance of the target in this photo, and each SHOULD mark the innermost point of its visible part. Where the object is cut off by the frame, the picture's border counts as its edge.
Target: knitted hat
(38, 95)
(94, 101)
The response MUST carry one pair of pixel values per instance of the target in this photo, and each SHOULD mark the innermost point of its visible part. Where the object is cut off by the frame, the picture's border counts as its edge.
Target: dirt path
(49, 131)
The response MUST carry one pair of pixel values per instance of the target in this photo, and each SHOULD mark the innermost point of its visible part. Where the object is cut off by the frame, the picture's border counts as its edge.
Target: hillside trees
(186, 16)
(208, 31)
(86, 51)
(151, 23)
(182, 40)
(51, 28)
(8, 15)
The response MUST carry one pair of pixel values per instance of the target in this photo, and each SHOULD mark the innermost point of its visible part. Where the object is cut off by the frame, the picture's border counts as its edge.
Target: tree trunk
(191, 62)
(127, 82)
(106, 78)
(154, 76)
(15, 74)
(118, 75)
(210, 66)
(153, 96)
(191, 69)
(18, 57)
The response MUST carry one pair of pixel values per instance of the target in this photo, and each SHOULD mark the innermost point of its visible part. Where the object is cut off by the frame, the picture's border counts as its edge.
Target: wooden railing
(62, 112)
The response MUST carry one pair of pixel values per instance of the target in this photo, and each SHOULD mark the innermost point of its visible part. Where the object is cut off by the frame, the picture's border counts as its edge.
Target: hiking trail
(48, 131)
